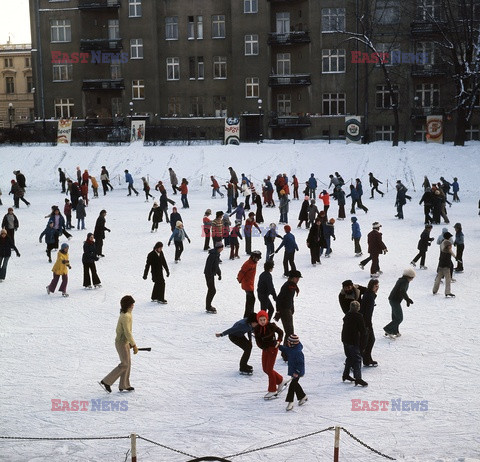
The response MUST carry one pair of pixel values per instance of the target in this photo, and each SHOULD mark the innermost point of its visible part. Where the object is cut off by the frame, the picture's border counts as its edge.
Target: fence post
(336, 446)
(133, 440)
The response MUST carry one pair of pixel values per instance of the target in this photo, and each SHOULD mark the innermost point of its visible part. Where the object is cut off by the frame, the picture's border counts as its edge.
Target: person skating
(312, 213)
(328, 234)
(258, 211)
(374, 182)
(400, 200)
(67, 210)
(174, 217)
(455, 189)
(246, 277)
(124, 341)
(235, 235)
(51, 237)
(129, 181)
(397, 295)
(324, 196)
(295, 187)
(250, 223)
(445, 266)
(423, 245)
(173, 180)
(178, 236)
(296, 370)
(283, 207)
(80, 214)
(339, 193)
(89, 258)
(367, 305)
(239, 212)
(206, 229)
(75, 194)
(303, 215)
(156, 263)
(246, 192)
(376, 247)
(427, 200)
(184, 193)
(316, 241)
(18, 193)
(10, 223)
(212, 269)
(146, 189)
(99, 232)
(359, 189)
(156, 215)
(312, 185)
(353, 339)
(94, 186)
(62, 179)
(6, 246)
(356, 236)
(215, 187)
(105, 178)
(459, 243)
(84, 191)
(236, 334)
(60, 268)
(269, 240)
(354, 197)
(265, 288)
(291, 246)
(59, 224)
(285, 307)
(350, 292)
(268, 337)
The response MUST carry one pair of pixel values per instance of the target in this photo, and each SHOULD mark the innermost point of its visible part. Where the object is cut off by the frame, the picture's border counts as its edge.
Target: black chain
(64, 439)
(278, 444)
(165, 447)
(366, 445)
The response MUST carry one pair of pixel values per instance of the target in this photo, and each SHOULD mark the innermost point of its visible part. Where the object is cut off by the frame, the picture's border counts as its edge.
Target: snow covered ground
(188, 394)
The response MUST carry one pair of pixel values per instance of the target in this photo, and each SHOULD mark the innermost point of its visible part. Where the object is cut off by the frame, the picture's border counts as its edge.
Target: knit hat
(376, 225)
(322, 213)
(409, 272)
(353, 219)
(347, 283)
(293, 339)
(287, 228)
(218, 244)
(262, 314)
(178, 224)
(447, 235)
(64, 246)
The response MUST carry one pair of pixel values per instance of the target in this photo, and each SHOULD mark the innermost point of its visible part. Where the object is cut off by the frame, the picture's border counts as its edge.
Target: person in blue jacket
(359, 188)
(296, 369)
(291, 246)
(178, 236)
(129, 180)
(236, 334)
(354, 195)
(312, 184)
(455, 189)
(239, 212)
(356, 236)
(51, 237)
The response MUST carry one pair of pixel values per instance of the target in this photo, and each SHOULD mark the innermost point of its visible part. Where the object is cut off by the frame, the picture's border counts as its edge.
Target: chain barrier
(65, 439)
(366, 445)
(165, 447)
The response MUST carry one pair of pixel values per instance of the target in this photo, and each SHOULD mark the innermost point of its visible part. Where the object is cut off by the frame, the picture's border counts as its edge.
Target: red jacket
(325, 198)
(215, 184)
(183, 189)
(246, 275)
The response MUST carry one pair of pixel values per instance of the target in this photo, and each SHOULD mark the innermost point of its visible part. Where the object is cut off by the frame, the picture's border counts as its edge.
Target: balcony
(291, 38)
(429, 70)
(419, 29)
(290, 80)
(100, 45)
(98, 4)
(422, 112)
(103, 85)
(288, 121)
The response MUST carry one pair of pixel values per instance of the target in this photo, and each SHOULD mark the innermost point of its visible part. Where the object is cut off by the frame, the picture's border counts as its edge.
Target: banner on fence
(232, 130)
(64, 131)
(137, 131)
(434, 129)
(353, 132)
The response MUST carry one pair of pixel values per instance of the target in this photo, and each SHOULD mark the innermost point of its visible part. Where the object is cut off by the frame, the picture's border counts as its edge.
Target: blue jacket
(239, 213)
(289, 243)
(246, 180)
(353, 194)
(356, 234)
(459, 238)
(239, 329)
(268, 185)
(359, 189)
(295, 358)
(49, 234)
(178, 235)
(312, 182)
(455, 186)
(128, 178)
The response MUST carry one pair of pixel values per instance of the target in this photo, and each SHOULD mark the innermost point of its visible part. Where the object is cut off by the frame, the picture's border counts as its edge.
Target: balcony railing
(289, 80)
(422, 112)
(426, 28)
(103, 84)
(100, 44)
(98, 4)
(290, 38)
(428, 70)
(289, 121)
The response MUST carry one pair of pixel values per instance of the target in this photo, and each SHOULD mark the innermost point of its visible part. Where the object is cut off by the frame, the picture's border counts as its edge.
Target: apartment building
(286, 68)
(16, 84)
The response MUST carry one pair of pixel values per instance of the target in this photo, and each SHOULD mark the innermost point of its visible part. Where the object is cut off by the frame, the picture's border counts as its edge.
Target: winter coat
(94, 182)
(353, 332)
(212, 265)
(455, 187)
(400, 199)
(359, 189)
(178, 235)
(445, 259)
(425, 241)
(268, 185)
(67, 209)
(10, 221)
(183, 189)
(325, 198)
(367, 306)
(22, 182)
(459, 238)
(215, 184)
(174, 217)
(246, 190)
(356, 233)
(239, 329)
(399, 291)
(270, 236)
(312, 182)
(235, 234)
(89, 252)
(173, 178)
(6, 246)
(374, 182)
(226, 225)
(315, 237)
(427, 198)
(60, 267)
(375, 243)
(233, 176)
(50, 234)
(157, 263)
(284, 203)
(17, 190)
(329, 230)
(217, 227)
(246, 275)
(285, 297)
(353, 193)
(248, 227)
(340, 196)
(157, 213)
(265, 286)
(58, 222)
(128, 178)
(267, 336)
(295, 358)
(345, 299)
(289, 243)
(100, 228)
(303, 215)
(81, 213)
(312, 212)
(206, 226)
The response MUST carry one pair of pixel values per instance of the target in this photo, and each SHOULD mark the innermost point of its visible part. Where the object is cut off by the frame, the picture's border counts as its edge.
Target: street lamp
(10, 114)
(260, 134)
(131, 109)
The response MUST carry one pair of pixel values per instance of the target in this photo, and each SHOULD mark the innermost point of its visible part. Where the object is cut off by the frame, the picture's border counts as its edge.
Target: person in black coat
(350, 292)
(62, 179)
(22, 182)
(315, 241)
(397, 295)
(156, 263)
(374, 182)
(6, 246)
(353, 339)
(423, 245)
(88, 259)
(258, 213)
(265, 288)
(75, 194)
(99, 232)
(212, 268)
(367, 306)
(303, 215)
(427, 200)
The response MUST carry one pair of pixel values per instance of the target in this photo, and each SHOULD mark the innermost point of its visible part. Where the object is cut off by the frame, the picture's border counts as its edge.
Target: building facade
(16, 84)
(286, 68)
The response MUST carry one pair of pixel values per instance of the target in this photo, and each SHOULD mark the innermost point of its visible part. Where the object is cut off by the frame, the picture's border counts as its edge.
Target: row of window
(9, 64)
(10, 84)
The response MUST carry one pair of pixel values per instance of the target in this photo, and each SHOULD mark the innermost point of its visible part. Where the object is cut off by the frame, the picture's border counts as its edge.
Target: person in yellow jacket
(60, 268)
(94, 185)
(123, 342)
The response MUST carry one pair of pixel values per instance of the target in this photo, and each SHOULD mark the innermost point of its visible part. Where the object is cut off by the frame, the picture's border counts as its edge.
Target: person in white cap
(375, 248)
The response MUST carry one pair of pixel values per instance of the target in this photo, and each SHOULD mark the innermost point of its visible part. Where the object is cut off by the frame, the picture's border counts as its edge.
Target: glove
(277, 316)
(145, 277)
(107, 229)
(168, 275)
(409, 302)
(69, 267)
(334, 238)
(40, 241)
(352, 238)
(220, 277)
(189, 241)
(18, 254)
(168, 243)
(385, 251)
(135, 349)
(65, 262)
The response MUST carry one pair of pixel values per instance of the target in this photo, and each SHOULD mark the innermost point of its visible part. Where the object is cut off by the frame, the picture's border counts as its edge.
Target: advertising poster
(64, 131)
(353, 132)
(232, 130)
(137, 131)
(434, 129)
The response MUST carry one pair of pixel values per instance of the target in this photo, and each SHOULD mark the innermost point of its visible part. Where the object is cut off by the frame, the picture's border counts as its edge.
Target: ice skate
(289, 406)
(303, 401)
(361, 382)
